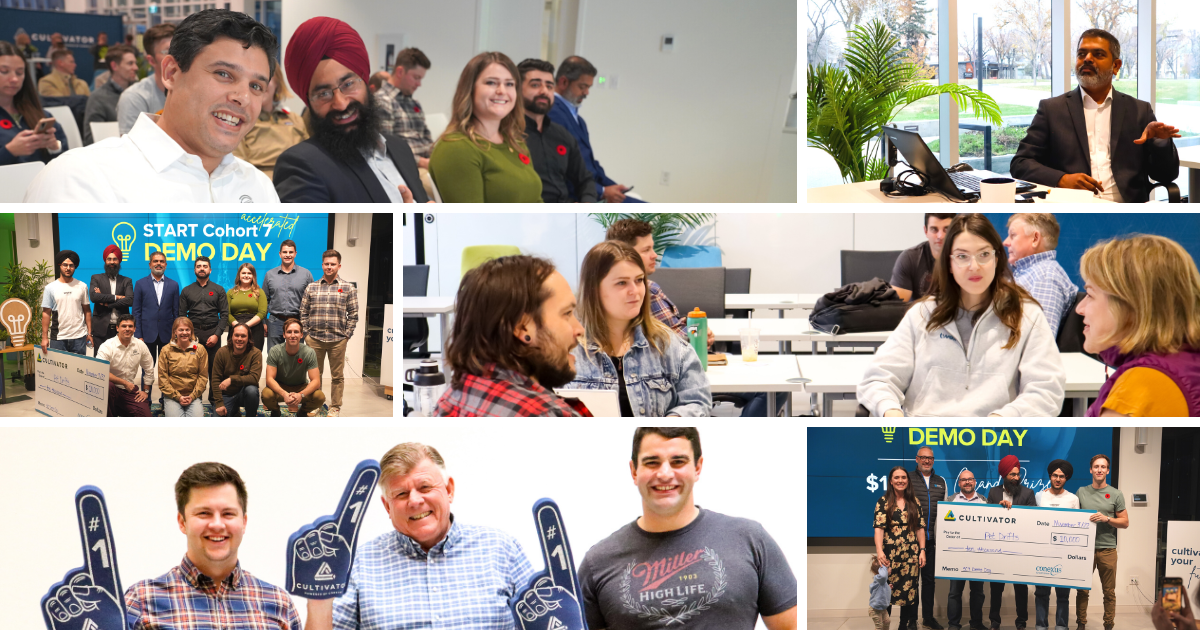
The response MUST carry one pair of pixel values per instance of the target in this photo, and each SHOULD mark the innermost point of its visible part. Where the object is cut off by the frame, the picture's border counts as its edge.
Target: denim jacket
(658, 384)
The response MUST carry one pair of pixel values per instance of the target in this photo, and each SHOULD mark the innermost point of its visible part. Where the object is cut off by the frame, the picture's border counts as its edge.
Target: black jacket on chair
(307, 173)
(104, 303)
(1024, 496)
(1056, 144)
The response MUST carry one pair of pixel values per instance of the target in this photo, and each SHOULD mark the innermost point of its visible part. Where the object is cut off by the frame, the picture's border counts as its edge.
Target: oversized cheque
(1025, 545)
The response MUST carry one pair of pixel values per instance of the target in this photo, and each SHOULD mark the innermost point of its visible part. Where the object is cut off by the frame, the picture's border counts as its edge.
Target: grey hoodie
(927, 373)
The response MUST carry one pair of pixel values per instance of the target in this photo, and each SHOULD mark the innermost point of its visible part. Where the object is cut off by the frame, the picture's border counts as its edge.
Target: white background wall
(838, 579)
(500, 470)
(711, 113)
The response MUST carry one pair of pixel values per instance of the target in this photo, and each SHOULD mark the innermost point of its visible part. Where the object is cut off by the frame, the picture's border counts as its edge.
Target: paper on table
(1067, 195)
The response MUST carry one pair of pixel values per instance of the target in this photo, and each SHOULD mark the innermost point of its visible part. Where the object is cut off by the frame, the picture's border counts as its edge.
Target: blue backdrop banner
(228, 239)
(847, 468)
(79, 32)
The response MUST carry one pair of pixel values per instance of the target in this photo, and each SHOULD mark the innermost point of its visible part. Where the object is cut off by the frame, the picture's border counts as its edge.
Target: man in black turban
(1056, 495)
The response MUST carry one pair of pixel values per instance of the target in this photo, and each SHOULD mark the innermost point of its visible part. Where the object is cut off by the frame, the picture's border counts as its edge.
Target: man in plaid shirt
(210, 589)
(329, 313)
(402, 114)
(514, 329)
(432, 571)
(1032, 237)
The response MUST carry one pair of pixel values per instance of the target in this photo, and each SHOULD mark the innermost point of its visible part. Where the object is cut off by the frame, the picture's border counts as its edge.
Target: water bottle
(697, 328)
(428, 385)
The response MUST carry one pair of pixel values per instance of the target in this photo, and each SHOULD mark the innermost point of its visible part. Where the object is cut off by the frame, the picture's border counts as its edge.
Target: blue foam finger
(551, 600)
(321, 554)
(89, 597)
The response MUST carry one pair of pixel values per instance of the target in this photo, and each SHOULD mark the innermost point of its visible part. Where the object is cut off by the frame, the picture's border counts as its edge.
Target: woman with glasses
(482, 155)
(977, 345)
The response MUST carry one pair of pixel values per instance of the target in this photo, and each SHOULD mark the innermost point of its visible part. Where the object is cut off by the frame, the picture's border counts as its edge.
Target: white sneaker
(334, 412)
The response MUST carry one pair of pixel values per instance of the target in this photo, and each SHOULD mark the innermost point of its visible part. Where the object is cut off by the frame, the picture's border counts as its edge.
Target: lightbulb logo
(123, 237)
(888, 434)
(15, 315)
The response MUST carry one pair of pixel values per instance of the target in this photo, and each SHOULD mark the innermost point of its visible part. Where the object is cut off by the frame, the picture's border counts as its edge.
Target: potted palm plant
(848, 108)
(27, 283)
(668, 226)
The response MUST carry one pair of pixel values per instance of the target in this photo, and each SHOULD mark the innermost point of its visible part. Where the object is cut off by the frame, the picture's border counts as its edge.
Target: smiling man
(733, 570)
(432, 571)
(209, 588)
(347, 159)
(216, 76)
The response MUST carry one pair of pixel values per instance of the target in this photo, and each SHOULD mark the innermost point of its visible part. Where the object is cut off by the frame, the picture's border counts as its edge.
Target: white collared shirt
(1098, 119)
(124, 361)
(146, 166)
(384, 169)
(159, 283)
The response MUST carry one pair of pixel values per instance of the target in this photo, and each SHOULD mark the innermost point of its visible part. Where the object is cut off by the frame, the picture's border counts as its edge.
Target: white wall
(356, 266)
(513, 27)
(42, 249)
(584, 467)
(838, 578)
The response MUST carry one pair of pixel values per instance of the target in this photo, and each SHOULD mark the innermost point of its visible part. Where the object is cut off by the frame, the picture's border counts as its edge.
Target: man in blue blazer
(572, 83)
(155, 305)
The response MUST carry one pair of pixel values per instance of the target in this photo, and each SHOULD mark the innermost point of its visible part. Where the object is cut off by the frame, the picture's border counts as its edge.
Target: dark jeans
(756, 404)
(928, 584)
(122, 403)
(201, 337)
(245, 402)
(155, 347)
(1041, 606)
(74, 346)
(100, 334)
(1022, 591)
(954, 604)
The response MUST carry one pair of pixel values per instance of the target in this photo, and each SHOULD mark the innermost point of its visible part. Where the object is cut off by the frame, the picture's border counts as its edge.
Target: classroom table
(787, 330)
(774, 301)
(770, 374)
(868, 192)
(836, 377)
(442, 307)
(1189, 158)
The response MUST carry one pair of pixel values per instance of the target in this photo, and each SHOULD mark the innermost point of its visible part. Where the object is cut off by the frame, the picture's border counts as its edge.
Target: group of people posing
(434, 570)
(208, 125)
(906, 554)
(153, 322)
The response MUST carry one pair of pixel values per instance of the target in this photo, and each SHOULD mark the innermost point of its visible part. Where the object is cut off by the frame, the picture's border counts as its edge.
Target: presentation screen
(847, 468)
(228, 239)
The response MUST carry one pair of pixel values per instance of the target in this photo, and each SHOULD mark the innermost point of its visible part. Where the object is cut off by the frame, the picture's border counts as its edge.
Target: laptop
(962, 186)
(603, 403)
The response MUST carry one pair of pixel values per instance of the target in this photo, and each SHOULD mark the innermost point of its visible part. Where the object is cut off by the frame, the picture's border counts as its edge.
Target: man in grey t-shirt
(680, 564)
(914, 266)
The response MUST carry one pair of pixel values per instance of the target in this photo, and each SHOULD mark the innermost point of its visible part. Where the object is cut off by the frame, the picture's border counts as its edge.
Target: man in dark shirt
(914, 266)
(205, 304)
(555, 153)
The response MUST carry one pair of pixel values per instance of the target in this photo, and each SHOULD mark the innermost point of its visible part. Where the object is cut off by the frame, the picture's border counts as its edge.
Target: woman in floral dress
(900, 543)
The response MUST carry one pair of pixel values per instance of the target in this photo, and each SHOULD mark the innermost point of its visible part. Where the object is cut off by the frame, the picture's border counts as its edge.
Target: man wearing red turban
(346, 159)
(1011, 492)
(111, 295)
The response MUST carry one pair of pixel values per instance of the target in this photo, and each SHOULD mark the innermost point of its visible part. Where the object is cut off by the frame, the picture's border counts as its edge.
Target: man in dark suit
(346, 159)
(155, 305)
(1096, 138)
(1009, 493)
(111, 295)
(572, 84)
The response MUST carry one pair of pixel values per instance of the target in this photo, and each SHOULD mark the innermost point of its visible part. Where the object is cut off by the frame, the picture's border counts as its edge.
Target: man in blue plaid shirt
(432, 571)
(1032, 238)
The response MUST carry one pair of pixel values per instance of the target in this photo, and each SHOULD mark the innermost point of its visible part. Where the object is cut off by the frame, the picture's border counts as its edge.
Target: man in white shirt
(1055, 496)
(1089, 138)
(216, 77)
(125, 354)
(66, 316)
(965, 494)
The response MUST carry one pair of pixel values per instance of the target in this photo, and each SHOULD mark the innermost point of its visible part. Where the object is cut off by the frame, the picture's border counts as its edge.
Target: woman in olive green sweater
(247, 305)
(482, 156)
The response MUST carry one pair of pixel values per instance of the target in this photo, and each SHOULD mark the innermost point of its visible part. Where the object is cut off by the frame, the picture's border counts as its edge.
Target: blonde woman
(625, 348)
(183, 372)
(482, 155)
(1142, 316)
(247, 305)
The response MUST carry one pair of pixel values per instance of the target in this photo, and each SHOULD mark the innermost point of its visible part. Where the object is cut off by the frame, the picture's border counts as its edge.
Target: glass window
(1118, 17)
(1177, 83)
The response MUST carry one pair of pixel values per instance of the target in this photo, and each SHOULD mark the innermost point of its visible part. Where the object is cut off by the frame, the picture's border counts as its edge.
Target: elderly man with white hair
(1032, 239)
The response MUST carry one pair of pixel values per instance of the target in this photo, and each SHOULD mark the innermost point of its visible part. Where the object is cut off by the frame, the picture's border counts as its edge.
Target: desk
(1189, 158)
(429, 307)
(774, 301)
(770, 374)
(868, 192)
(787, 330)
(836, 377)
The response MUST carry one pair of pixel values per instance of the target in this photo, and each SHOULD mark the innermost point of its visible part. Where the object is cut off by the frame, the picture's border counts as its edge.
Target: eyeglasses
(971, 479)
(349, 88)
(984, 258)
(925, 458)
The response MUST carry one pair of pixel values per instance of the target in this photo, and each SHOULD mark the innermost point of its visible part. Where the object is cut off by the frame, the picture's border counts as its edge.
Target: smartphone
(45, 125)
(1171, 599)
(629, 189)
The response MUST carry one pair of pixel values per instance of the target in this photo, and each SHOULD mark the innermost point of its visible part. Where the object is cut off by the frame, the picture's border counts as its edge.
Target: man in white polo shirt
(125, 354)
(216, 76)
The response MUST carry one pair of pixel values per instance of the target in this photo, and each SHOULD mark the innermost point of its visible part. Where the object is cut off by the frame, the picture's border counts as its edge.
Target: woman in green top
(247, 305)
(482, 156)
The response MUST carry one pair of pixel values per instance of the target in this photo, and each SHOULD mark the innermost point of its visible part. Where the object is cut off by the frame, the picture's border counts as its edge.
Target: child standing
(881, 596)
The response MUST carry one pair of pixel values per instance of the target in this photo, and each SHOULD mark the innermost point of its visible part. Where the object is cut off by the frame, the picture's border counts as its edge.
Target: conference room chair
(1172, 191)
(15, 179)
(65, 117)
(859, 266)
(416, 329)
(690, 256)
(104, 130)
(476, 255)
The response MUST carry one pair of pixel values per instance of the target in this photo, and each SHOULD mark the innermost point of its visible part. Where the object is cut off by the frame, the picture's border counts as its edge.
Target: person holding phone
(1167, 613)
(28, 133)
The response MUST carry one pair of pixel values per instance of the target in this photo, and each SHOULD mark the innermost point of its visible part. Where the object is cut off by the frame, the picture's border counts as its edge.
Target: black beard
(547, 373)
(111, 270)
(347, 144)
(533, 107)
(1012, 487)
